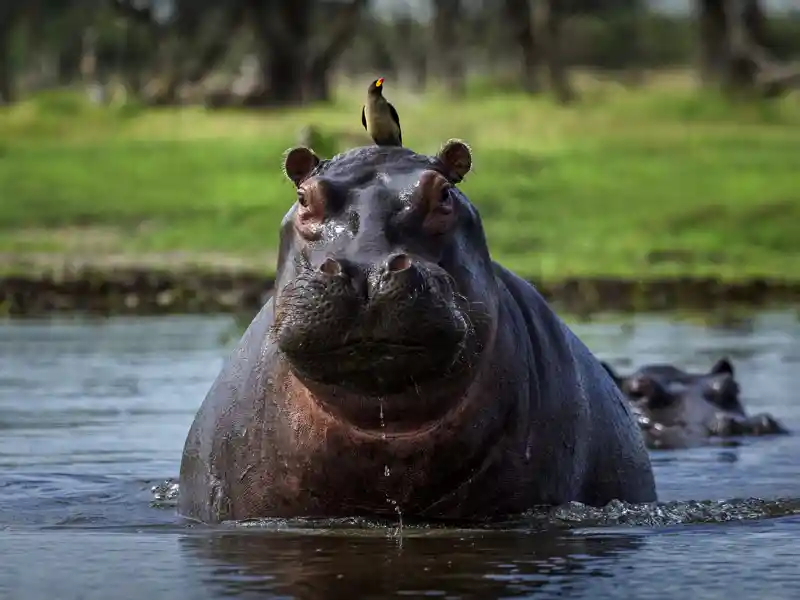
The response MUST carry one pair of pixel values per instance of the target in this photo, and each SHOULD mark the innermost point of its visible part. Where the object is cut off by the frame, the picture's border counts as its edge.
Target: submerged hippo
(679, 409)
(399, 370)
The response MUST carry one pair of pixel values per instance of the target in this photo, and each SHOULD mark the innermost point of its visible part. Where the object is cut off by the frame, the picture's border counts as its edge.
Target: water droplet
(386, 473)
(382, 422)
(166, 491)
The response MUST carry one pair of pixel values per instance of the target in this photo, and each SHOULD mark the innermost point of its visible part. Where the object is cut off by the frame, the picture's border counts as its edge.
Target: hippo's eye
(302, 198)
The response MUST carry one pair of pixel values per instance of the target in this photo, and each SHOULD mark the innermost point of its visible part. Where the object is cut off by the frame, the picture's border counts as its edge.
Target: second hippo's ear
(617, 379)
(298, 163)
(722, 367)
(456, 158)
(642, 386)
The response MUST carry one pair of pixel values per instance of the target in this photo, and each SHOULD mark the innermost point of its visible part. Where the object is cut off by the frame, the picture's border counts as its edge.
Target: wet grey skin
(681, 409)
(398, 369)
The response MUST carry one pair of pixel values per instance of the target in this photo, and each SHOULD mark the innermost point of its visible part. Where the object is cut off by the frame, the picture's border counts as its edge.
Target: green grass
(631, 184)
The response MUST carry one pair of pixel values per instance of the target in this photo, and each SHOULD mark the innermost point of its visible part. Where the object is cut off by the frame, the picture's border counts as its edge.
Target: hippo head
(667, 395)
(385, 288)
(649, 392)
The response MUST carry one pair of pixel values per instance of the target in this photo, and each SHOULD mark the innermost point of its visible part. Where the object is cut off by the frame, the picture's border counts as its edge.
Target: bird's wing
(396, 119)
(363, 118)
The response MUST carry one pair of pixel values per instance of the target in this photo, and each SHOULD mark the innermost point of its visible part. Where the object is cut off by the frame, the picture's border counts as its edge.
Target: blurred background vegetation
(615, 138)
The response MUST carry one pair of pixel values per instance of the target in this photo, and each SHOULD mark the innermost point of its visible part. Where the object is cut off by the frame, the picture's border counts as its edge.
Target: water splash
(658, 514)
(571, 516)
(165, 494)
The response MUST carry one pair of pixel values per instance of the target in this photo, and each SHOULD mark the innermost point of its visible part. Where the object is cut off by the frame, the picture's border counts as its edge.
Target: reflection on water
(368, 567)
(93, 413)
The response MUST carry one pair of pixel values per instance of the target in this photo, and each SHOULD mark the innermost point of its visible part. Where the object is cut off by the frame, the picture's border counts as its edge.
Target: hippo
(399, 372)
(681, 409)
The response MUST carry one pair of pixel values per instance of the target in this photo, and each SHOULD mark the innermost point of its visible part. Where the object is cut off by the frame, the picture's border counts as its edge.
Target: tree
(447, 48)
(733, 50)
(551, 18)
(188, 43)
(520, 19)
(10, 13)
(294, 61)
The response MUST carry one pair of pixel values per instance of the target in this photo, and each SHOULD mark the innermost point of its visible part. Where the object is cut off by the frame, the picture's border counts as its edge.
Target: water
(93, 413)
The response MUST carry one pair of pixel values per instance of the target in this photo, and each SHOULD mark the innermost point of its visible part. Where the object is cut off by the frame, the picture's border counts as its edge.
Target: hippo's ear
(642, 386)
(456, 157)
(722, 367)
(617, 379)
(298, 163)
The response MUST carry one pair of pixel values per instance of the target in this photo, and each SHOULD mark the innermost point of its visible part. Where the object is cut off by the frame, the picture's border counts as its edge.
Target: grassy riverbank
(647, 184)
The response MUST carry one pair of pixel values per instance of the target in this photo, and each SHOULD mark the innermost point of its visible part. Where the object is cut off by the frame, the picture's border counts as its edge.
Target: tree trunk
(520, 19)
(714, 34)
(340, 30)
(755, 23)
(552, 19)
(131, 67)
(632, 20)
(419, 69)
(67, 65)
(409, 53)
(6, 75)
(8, 18)
(283, 70)
(318, 81)
(450, 63)
(282, 34)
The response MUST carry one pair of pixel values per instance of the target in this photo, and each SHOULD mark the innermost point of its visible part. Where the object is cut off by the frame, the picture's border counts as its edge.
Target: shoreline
(150, 291)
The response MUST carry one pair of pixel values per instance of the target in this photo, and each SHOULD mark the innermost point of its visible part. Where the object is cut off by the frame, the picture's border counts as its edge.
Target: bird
(380, 118)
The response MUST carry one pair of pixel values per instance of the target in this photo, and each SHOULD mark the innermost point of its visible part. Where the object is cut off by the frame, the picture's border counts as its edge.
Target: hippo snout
(396, 319)
(393, 278)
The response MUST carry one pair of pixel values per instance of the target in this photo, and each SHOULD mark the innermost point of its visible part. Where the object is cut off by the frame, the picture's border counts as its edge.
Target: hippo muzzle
(376, 329)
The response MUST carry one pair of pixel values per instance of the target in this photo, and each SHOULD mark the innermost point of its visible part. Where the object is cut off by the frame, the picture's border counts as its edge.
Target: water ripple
(94, 413)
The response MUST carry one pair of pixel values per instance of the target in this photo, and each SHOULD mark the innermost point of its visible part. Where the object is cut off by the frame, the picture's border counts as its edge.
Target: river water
(93, 414)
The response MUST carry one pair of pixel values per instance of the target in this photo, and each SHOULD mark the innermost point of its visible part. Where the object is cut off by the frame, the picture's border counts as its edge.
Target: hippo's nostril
(331, 267)
(398, 263)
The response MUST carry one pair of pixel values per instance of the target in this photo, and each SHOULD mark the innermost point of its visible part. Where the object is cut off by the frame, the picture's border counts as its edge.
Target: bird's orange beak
(379, 83)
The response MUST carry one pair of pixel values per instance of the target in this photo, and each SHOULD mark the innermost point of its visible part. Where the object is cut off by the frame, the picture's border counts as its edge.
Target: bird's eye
(302, 200)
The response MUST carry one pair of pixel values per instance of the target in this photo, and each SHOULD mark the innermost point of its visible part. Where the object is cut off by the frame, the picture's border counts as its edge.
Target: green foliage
(60, 103)
(627, 184)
